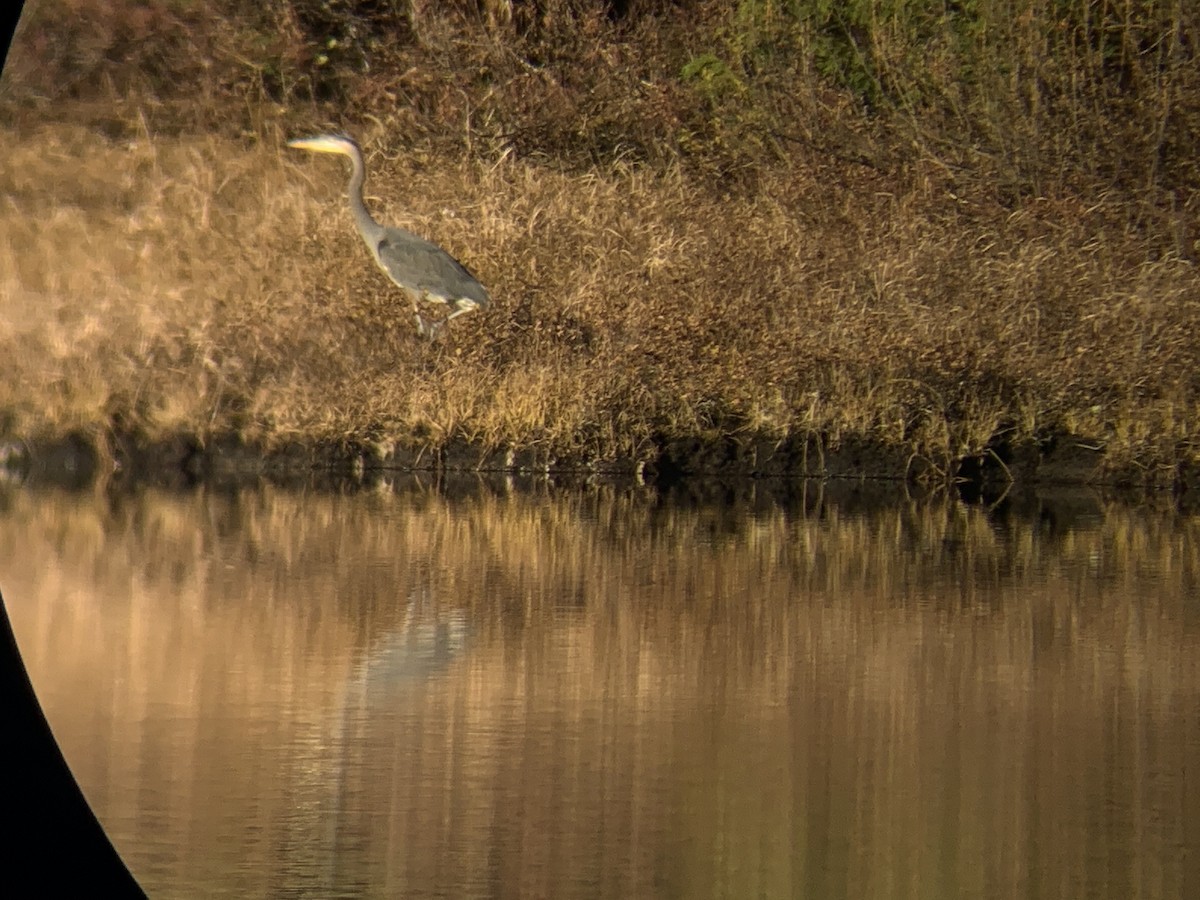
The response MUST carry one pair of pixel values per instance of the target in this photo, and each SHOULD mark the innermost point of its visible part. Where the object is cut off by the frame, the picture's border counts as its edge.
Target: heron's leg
(460, 309)
(425, 328)
(429, 328)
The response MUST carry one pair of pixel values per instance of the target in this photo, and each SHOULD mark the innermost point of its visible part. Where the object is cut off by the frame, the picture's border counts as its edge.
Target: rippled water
(601, 692)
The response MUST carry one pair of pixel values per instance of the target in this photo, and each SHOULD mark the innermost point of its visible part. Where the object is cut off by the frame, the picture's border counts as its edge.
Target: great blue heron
(422, 269)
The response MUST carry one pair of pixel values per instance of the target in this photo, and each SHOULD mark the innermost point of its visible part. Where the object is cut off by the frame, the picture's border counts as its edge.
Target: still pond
(478, 689)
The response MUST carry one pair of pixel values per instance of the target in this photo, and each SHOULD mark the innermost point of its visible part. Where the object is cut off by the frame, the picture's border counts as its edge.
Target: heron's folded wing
(425, 267)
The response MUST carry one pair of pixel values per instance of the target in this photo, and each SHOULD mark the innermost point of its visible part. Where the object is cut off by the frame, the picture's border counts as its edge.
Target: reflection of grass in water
(606, 552)
(818, 681)
(193, 285)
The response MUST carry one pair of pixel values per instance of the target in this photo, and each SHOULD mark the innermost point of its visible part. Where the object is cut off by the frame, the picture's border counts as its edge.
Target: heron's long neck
(367, 227)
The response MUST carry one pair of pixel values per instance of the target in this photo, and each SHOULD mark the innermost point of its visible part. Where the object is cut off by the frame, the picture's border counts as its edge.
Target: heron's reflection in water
(418, 651)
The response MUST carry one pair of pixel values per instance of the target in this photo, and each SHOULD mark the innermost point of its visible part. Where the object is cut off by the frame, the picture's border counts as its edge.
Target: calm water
(415, 692)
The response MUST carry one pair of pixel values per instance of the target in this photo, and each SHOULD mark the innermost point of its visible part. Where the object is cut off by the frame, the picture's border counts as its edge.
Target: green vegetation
(951, 230)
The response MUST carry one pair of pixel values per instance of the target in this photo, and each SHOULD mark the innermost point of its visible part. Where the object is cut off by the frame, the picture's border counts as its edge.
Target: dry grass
(170, 281)
(195, 286)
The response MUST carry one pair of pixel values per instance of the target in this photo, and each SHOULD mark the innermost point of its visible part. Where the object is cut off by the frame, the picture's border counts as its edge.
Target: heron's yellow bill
(323, 144)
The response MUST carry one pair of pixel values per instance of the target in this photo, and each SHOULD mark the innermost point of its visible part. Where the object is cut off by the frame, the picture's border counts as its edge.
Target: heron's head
(327, 143)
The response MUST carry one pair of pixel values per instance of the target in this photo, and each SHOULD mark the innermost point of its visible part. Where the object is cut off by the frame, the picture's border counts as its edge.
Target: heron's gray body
(426, 269)
(421, 268)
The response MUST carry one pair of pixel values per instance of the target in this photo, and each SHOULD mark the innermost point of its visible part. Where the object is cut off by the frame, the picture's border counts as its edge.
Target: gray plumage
(419, 267)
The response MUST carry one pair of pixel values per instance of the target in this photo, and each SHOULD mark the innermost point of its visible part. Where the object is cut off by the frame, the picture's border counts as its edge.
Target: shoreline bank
(78, 460)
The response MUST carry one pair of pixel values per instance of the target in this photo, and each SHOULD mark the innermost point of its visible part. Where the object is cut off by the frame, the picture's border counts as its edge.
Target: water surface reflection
(475, 693)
